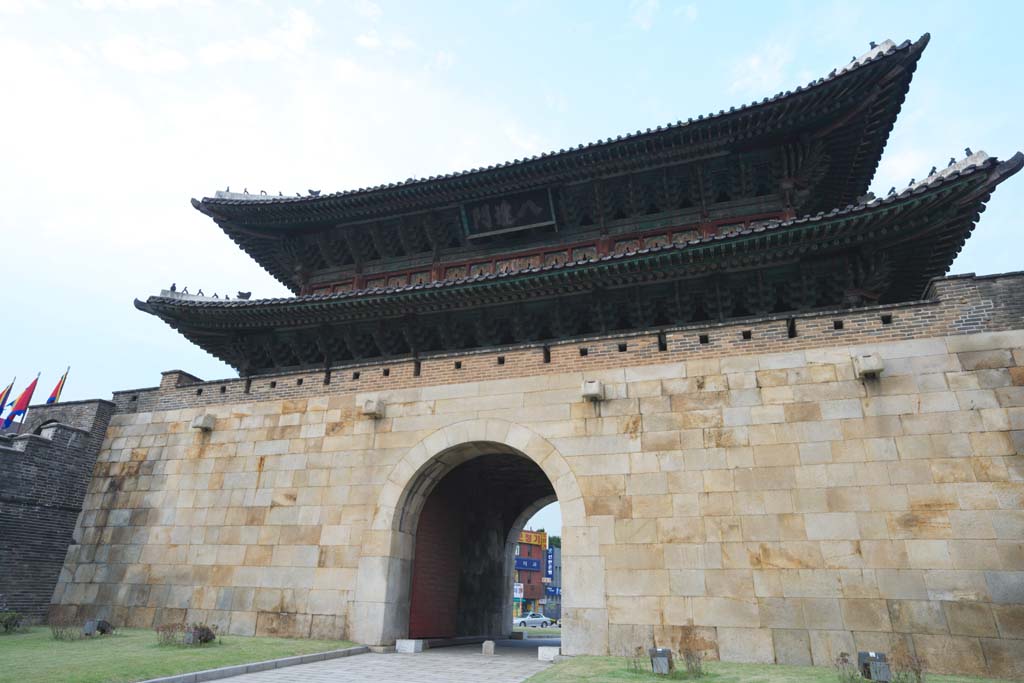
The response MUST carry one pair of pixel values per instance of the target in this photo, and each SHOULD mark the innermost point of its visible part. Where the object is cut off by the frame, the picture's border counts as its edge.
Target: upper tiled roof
(766, 116)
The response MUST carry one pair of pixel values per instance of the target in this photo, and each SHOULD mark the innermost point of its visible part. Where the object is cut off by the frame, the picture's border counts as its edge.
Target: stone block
(831, 525)
(822, 614)
(917, 616)
(625, 639)
(409, 646)
(724, 611)
(545, 653)
(827, 645)
(1010, 619)
(1005, 658)
(752, 645)
(687, 582)
(634, 610)
(585, 631)
(985, 360)
(792, 646)
(970, 619)
(949, 654)
(781, 613)
(488, 648)
(1006, 587)
(283, 624)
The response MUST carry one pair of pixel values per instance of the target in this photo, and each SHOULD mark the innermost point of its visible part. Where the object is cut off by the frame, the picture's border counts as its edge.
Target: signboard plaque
(508, 213)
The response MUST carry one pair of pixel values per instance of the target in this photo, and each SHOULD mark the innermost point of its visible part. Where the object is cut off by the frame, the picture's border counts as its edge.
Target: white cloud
(371, 40)
(101, 5)
(19, 6)
(444, 59)
(291, 38)
(367, 9)
(642, 13)
(131, 53)
(401, 42)
(348, 71)
(689, 12)
(762, 73)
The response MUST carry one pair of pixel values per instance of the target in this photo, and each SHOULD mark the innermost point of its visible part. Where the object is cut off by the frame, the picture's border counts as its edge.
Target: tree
(554, 541)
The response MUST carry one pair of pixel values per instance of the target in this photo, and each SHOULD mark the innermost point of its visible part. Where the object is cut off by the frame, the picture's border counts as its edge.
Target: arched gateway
(437, 560)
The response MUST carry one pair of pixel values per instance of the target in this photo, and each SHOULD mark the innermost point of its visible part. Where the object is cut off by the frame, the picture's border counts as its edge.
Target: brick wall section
(43, 479)
(435, 573)
(756, 488)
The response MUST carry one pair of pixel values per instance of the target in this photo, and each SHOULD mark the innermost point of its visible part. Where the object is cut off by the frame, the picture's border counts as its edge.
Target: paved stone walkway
(463, 664)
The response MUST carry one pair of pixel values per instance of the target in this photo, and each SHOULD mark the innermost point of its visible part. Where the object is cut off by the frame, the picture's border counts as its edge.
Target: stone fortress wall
(44, 473)
(736, 477)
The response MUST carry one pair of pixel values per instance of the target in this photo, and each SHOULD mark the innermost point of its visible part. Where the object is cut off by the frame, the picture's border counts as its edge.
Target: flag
(21, 405)
(55, 394)
(6, 394)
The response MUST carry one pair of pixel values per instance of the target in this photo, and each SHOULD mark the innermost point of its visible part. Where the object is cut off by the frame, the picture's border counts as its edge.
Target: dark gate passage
(461, 569)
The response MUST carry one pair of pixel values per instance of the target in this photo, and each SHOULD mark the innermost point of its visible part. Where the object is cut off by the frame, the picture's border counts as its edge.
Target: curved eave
(855, 147)
(946, 211)
(735, 125)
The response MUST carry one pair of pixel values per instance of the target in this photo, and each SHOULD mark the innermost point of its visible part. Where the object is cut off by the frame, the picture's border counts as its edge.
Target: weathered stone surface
(827, 645)
(970, 619)
(779, 504)
(792, 647)
(1005, 658)
(945, 654)
(745, 645)
(917, 616)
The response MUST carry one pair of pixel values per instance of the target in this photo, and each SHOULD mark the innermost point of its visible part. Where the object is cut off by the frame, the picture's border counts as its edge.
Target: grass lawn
(602, 669)
(538, 632)
(133, 655)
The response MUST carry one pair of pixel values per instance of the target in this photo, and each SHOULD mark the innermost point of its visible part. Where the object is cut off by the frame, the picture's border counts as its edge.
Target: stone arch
(379, 611)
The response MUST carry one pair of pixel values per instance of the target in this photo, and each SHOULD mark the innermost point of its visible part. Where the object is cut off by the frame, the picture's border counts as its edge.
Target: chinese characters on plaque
(509, 213)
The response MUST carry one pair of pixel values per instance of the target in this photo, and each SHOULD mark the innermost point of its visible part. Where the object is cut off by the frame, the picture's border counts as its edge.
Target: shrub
(170, 634)
(11, 622)
(202, 634)
(183, 634)
(64, 628)
(846, 669)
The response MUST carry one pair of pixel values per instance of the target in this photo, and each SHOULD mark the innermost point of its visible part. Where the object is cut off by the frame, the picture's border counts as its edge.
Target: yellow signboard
(534, 538)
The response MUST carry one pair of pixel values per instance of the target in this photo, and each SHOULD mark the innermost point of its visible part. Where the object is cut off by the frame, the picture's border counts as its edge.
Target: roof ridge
(881, 51)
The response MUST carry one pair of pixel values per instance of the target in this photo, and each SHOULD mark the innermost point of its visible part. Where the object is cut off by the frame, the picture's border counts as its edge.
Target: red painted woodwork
(435, 570)
(603, 245)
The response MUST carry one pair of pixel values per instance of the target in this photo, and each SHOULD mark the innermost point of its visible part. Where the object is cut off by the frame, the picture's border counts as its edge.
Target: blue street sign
(527, 564)
(553, 590)
(549, 569)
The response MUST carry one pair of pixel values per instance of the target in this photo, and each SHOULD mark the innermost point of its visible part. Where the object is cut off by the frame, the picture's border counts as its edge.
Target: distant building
(529, 571)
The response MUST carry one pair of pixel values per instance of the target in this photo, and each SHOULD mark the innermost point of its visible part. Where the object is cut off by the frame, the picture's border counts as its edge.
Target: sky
(114, 113)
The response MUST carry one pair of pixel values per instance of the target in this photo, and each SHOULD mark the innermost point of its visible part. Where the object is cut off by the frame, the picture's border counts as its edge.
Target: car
(531, 619)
